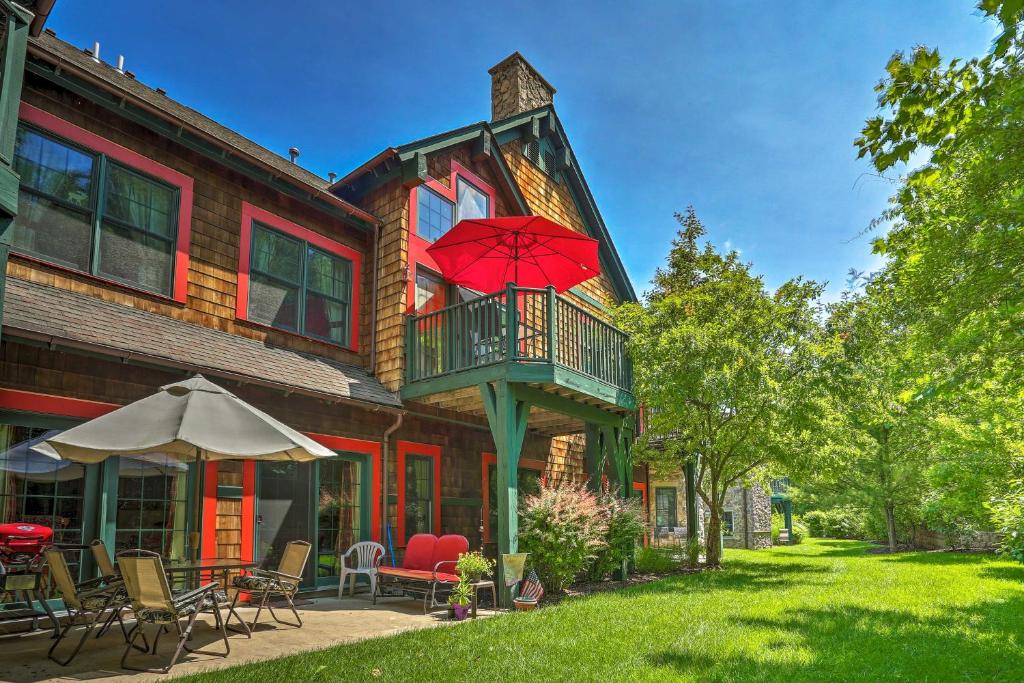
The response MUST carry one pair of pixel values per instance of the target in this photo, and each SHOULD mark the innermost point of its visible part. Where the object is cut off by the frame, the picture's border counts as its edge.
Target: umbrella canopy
(530, 251)
(190, 420)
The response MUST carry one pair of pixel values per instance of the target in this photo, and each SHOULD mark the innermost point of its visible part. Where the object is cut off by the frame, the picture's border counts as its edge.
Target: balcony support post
(592, 461)
(507, 416)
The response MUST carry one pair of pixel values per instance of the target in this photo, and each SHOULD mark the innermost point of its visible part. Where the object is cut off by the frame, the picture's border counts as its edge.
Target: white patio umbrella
(191, 421)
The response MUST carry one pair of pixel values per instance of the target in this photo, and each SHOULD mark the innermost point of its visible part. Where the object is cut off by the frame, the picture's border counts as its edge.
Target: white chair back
(367, 554)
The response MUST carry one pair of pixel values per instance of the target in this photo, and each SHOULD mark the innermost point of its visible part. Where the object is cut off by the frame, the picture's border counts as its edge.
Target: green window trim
(94, 209)
(299, 282)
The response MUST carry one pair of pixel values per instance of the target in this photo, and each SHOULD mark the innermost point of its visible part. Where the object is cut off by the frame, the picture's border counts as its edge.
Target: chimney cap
(517, 56)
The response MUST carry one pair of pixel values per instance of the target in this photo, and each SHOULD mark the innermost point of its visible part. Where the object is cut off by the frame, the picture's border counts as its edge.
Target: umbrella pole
(197, 506)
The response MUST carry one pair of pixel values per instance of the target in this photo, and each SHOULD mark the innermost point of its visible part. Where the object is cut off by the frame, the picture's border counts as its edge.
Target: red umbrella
(530, 251)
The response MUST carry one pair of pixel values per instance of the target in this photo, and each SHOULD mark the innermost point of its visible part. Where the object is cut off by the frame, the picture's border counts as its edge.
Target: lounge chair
(154, 603)
(94, 597)
(428, 567)
(367, 556)
(283, 582)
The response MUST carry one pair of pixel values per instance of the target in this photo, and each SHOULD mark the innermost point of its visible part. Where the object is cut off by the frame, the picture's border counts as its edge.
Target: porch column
(787, 512)
(592, 456)
(610, 441)
(507, 417)
(626, 446)
(690, 475)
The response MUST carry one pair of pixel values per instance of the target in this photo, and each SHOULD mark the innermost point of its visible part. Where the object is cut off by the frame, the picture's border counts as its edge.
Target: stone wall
(517, 87)
(751, 509)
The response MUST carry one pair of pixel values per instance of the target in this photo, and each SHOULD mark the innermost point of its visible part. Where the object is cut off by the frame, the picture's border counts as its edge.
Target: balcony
(528, 336)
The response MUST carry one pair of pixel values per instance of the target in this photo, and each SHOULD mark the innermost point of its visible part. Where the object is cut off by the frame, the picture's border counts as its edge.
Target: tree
(875, 443)
(725, 364)
(955, 252)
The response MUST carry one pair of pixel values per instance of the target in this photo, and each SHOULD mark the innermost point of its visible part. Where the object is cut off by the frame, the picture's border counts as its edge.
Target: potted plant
(460, 599)
(472, 566)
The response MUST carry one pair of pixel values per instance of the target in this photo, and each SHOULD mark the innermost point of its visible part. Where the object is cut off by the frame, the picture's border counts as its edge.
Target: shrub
(694, 547)
(842, 522)
(562, 528)
(625, 526)
(1008, 515)
(655, 561)
(797, 534)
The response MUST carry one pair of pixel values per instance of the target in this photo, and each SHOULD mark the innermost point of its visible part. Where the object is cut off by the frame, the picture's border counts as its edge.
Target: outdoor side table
(220, 566)
(477, 585)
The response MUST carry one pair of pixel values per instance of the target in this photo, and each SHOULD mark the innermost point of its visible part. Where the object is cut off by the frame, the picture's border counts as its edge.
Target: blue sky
(745, 110)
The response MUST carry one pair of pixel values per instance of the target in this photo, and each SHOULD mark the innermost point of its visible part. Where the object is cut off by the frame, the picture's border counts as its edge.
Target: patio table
(218, 565)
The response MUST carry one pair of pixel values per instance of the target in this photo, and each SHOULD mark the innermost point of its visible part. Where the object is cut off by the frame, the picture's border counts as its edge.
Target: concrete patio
(327, 621)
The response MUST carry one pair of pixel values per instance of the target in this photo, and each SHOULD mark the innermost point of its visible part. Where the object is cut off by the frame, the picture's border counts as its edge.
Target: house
(746, 513)
(148, 242)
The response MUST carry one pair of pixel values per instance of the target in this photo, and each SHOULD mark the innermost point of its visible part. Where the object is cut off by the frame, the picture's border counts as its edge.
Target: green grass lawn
(821, 610)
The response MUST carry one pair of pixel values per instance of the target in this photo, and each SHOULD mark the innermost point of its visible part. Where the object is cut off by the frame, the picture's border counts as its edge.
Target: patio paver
(327, 621)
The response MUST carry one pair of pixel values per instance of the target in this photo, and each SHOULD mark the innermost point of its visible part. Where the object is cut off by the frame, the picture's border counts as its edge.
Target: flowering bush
(562, 528)
(626, 526)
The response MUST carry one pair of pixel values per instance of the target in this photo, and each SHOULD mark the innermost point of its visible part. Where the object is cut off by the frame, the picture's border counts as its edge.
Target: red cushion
(448, 549)
(419, 552)
(417, 574)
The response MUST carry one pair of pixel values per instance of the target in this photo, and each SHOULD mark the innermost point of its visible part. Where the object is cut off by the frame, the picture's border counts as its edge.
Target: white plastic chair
(367, 556)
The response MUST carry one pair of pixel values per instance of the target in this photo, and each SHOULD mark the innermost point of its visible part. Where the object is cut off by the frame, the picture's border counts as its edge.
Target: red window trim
(426, 450)
(418, 255)
(487, 459)
(92, 141)
(251, 213)
(370, 448)
(51, 404)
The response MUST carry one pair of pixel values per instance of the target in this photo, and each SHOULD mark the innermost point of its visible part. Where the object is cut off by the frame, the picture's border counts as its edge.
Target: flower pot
(524, 605)
(460, 611)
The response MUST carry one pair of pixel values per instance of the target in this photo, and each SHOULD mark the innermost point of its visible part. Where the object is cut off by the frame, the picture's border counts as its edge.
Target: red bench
(428, 566)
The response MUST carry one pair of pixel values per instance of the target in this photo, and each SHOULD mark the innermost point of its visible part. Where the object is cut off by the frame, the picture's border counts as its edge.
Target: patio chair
(154, 603)
(282, 582)
(367, 556)
(102, 558)
(94, 597)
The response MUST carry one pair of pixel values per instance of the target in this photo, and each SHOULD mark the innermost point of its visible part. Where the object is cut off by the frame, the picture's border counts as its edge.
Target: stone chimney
(517, 87)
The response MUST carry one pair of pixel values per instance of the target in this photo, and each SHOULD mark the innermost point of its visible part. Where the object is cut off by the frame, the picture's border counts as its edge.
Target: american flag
(530, 588)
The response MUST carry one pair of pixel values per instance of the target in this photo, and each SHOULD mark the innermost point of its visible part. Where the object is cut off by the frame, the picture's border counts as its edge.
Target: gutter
(42, 13)
(384, 453)
(61, 64)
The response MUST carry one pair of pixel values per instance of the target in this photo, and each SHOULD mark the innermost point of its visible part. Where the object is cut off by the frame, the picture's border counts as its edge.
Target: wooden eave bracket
(414, 170)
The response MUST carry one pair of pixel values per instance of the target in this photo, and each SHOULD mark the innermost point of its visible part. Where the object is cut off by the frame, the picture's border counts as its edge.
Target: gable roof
(545, 118)
(394, 162)
(389, 163)
(76, 70)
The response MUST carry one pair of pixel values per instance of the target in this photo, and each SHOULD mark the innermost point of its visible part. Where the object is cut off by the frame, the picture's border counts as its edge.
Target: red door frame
(209, 541)
(487, 459)
(427, 450)
(369, 448)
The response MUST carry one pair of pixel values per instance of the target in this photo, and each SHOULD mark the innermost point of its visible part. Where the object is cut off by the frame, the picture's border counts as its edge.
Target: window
(152, 505)
(435, 215)
(472, 203)
(431, 291)
(665, 508)
(339, 511)
(419, 495)
(85, 211)
(296, 286)
(727, 527)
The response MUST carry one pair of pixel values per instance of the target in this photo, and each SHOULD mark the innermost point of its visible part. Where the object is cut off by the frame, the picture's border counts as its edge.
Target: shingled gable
(73, 69)
(542, 122)
(58, 318)
(408, 161)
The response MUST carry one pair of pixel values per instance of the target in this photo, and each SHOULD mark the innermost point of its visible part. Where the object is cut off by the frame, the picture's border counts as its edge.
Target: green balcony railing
(539, 327)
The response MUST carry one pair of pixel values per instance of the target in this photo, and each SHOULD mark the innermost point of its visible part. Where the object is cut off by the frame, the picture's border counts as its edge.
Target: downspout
(376, 299)
(746, 517)
(384, 453)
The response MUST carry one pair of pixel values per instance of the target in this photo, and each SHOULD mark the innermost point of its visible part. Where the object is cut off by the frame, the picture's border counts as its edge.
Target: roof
(58, 316)
(51, 48)
(584, 197)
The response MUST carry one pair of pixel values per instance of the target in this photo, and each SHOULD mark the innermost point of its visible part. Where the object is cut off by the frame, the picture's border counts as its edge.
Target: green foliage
(626, 525)
(726, 366)
(798, 532)
(838, 522)
(694, 548)
(652, 560)
(462, 594)
(1008, 513)
(562, 528)
(474, 565)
